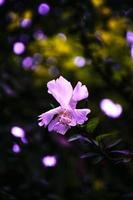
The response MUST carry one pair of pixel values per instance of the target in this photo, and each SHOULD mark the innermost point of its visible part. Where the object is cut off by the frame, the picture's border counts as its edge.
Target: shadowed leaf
(78, 137)
(89, 155)
(114, 143)
(106, 135)
(92, 124)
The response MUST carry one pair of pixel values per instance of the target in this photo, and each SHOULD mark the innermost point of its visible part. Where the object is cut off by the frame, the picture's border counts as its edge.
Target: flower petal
(52, 124)
(58, 127)
(46, 117)
(80, 92)
(61, 90)
(81, 115)
(61, 128)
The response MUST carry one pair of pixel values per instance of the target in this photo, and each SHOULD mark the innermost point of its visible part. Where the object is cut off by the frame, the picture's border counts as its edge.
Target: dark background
(95, 30)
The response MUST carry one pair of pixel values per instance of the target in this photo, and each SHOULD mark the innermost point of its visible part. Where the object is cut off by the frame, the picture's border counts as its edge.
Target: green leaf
(104, 136)
(92, 124)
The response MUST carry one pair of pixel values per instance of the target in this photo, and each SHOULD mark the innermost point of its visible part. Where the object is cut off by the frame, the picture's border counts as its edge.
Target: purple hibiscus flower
(60, 119)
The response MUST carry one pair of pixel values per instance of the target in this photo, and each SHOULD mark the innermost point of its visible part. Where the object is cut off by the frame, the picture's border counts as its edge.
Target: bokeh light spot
(18, 48)
(110, 108)
(27, 62)
(79, 61)
(17, 132)
(62, 36)
(54, 71)
(16, 148)
(39, 34)
(43, 9)
(49, 161)
(24, 140)
(24, 23)
(37, 57)
(2, 2)
(129, 37)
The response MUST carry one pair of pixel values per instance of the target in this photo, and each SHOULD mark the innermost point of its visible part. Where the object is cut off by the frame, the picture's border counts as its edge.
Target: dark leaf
(114, 143)
(89, 155)
(123, 152)
(79, 137)
(126, 160)
(98, 159)
(106, 135)
(92, 124)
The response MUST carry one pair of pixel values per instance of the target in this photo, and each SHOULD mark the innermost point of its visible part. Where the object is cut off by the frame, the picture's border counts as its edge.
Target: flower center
(65, 117)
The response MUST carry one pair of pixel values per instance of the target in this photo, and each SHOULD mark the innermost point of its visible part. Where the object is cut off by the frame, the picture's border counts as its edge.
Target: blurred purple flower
(18, 48)
(60, 119)
(129, 37)
(16, 148)
(110, 108)
(79, 61)
(2, 2)
(39, 34)
(49, 161)
(43, 9)
(24, 23)
(18, 132)
(27, 62)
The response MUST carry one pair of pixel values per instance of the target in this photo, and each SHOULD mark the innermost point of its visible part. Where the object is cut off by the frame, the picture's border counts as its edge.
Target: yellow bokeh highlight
(117, 24)
(27, 14)
(97, 3)
(14, 21)
(106, 36)
(61, 51)
(53, 47)
(98, 185)
(105, 11)
(110, 38)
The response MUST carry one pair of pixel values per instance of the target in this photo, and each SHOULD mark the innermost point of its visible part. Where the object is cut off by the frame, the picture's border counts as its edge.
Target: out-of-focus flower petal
(81, 115)
(46, 117)
(49, 161)
(80, 92)
(58, 127)
(129, 37)
(61, 90)
(110, 108)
